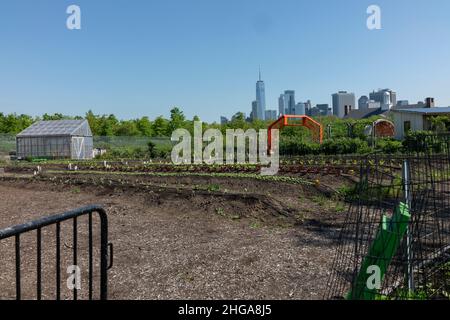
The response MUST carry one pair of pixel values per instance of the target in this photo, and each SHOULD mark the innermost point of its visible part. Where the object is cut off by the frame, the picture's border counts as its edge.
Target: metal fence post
(407, 196)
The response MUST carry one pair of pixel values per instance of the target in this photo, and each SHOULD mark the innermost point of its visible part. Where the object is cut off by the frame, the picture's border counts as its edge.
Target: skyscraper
(343, 103)
(254, 113)
(290, 97)
(283, 104)
(260, 98)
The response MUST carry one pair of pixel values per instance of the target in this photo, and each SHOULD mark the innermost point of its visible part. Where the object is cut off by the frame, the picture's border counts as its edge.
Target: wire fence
(395, 241)
(7, 144)
(120, 146)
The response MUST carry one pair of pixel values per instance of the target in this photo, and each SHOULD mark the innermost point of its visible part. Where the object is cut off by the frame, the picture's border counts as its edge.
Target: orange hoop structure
(315, 127)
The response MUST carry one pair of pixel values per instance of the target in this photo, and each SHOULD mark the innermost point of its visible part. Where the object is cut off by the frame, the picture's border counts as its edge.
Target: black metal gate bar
(18, 291)
(58, 260)
(37, 225)
(39, 266)
(75, 260)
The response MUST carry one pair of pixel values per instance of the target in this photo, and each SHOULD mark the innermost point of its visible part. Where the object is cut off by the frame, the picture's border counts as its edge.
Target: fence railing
(17, 231)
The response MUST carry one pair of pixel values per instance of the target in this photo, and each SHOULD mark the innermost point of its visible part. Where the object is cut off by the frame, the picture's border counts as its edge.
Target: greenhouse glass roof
(58, 128)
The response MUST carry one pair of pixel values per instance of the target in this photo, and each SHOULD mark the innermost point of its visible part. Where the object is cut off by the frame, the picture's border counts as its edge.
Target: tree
(144, 126)
(55, 116)
(93, 123)
(152, 149)
(160, 127)
(177, 119)
(127, 128)
(108, 125)
(238, 122)
(440, 123)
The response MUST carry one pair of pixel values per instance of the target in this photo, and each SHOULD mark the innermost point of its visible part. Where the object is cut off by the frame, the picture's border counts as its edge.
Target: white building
(416, 119)
(343, 103)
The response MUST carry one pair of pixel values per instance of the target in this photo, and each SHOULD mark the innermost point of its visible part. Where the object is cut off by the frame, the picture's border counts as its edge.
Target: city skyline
(144, 58)
(342, 103)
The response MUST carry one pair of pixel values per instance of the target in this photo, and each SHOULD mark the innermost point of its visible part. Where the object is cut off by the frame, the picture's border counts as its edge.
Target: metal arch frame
(308, 122)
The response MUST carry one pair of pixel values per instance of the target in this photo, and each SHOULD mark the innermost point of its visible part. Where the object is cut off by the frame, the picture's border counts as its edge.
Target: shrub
(389, 146)
(344, 146)
(328, 147)
(297, 147)
(421, 141)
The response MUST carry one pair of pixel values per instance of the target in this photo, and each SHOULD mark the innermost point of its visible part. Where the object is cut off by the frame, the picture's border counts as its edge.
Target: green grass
(76, 190)
(255, 225)
(340, 208)
(320, 200)
(213, 187)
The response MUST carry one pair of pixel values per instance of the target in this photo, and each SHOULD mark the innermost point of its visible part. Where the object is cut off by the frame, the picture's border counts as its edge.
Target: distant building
(375, 109)
(254, 113)
(343, 103)
(415, 119)
(324, 109)
(386, 97)
(260, 98)
(373, 104)
(366, 113)
(223, 120)
(308, 107)
(283, 104)
(290, 96)
(299, 109)
(314, 112)
(271, 115)
(402, 103)
(428, 103)
(363, 102)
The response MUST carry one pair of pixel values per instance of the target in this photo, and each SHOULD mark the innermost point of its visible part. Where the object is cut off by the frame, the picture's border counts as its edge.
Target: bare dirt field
(189, 237)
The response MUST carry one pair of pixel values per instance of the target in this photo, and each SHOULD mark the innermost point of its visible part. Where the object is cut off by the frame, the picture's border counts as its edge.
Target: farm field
(193, 236)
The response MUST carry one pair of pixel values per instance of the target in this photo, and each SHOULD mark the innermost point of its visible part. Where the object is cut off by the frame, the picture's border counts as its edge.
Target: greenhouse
(57, 139)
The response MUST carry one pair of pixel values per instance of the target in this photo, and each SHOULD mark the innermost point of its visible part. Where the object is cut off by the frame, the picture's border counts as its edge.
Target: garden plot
(192, 238)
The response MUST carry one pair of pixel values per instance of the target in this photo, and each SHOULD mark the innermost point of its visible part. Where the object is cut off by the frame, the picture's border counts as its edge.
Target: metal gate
(37, 226)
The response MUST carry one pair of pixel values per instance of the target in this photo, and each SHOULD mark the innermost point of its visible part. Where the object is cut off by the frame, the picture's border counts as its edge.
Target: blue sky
(139, 57)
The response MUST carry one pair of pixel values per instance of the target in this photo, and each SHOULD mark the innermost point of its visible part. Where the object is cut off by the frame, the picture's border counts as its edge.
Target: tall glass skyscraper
(290, 97)
(260, 98)
(283, 106)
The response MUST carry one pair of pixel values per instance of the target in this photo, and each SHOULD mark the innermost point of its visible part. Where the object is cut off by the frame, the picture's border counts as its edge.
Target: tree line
(110, 125)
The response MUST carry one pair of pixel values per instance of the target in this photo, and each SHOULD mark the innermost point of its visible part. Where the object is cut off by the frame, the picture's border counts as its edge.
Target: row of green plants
(340, 146)
(291, 147)
(415, 142)
(151, 151)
